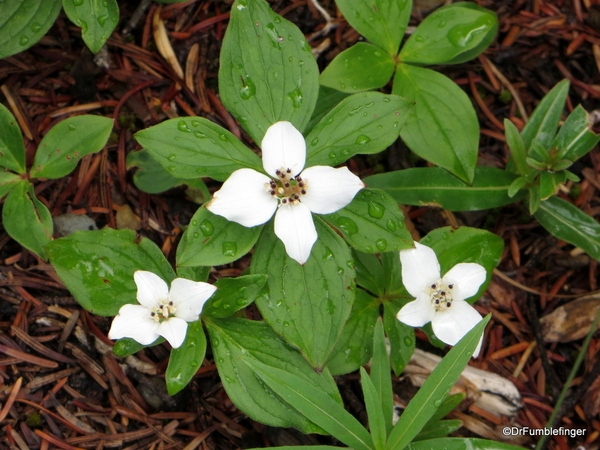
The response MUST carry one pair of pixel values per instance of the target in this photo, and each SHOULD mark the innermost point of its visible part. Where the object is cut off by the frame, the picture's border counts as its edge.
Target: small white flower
(161, 312)
(251, 198)
(440, 301)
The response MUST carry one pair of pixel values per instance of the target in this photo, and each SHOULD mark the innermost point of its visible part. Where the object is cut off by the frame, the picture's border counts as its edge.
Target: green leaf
(363, 123)
(401, 336)
(24, 22)
(267, 71)
(543, 123)
(516, 186)
(127, 346)
(233, 339)
(372, 223)
(359, 68)
(193, 147)
(328, 98)
(307, 304)
(304, 447)
(98, 266)
(431, 395)
(12, 150)
(314, 403)
(569, 223)
(517, 147)
(369, 273)
(150, 176)
(461, 444)
(442, 127)
(450, 402)
(212, 240)
(187, 359)
(382, 22)
(355, 345)
(26, 219)
(392, 281)
(96, 19)
(198, 273)
(7, 182)
(439, 429)
(534, 199)
(374, 413)
(233, 294)
(454, 33)
(550, 183)
(466, 245)
(434, 186)
(67, 142)
(575, 138)
(382, 379)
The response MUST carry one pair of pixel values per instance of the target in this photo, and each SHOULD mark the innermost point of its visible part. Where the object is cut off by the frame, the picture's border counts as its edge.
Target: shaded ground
(56, 387)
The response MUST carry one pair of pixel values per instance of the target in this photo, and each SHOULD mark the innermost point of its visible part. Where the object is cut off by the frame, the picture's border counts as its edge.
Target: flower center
(441, 295)
(286, 188)
(162, 311)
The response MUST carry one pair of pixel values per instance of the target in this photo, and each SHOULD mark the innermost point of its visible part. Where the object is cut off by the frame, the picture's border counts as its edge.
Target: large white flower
(161, 312)
(440, 301)
(251, 198)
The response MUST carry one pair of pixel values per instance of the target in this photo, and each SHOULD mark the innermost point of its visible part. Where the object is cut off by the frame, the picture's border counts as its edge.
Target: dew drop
(248, 89)
(215, 342)
(327, 255)
(286, 324)
(363, 139)
(35, 27)
(376, 210)
(331, 155)
(84, 26)
(182, 126)
(437, 403)
(442, 24)
(296, 97)
(193, 363)
(102, 19)
(207, 227)
(223, 137)
(314, 142)
(24, 40)
(195, 123)
(386, 99)
(199, 135)
(194, 223)
(348, 226)
(381, 244)
(242, 301)
(408, 341)
(229, 248)
(71, 127)
(391, 225)
(172, 156)
(419, 38)
(226, 306)
(78, 2)
(217, 303)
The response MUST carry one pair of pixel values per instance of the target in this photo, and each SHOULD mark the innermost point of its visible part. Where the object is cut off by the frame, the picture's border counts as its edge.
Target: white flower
(440, 301)
(251, 198)
(161, 312)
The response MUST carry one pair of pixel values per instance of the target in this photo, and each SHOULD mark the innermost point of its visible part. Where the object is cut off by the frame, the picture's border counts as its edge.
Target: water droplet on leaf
(207, 227)
(376, 210)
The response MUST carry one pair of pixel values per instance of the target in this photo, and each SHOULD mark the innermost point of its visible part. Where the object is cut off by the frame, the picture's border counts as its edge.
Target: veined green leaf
(575, 138)
(185, 360)
(569, 223)
(372, 223)
(401, 336)
(431, 395)
(313, 403)
(195, 147)
(96, 19)
(26, 219)
(8, 180)
(24, 22)
(451, 34)
(273, 76)
(307, 304)
(67, 142)
(12, 150)
(361, 67)
(442, 127)
(363, 123)
(434, 186)
(233, 340)
(461, 444)
(382, 379)
(98, 266)
(543, 123)
(233, 294)
(377, 424)
(382, 22)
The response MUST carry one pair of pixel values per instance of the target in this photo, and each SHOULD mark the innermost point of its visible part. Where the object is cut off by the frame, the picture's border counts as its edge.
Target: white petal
(188, 297)
(451, 325)
(420, 268)
(150, 288)
(134, 321)
(295, 227)
(173, 330)
(418, 312)
(466, 278)
(244, 199)
(329, 189)
(283, 147)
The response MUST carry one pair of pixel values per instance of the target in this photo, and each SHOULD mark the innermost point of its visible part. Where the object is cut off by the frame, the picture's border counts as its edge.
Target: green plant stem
(567, 386)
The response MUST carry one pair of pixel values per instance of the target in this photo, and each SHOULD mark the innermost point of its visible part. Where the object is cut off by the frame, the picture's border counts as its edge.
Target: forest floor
(58, 390)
